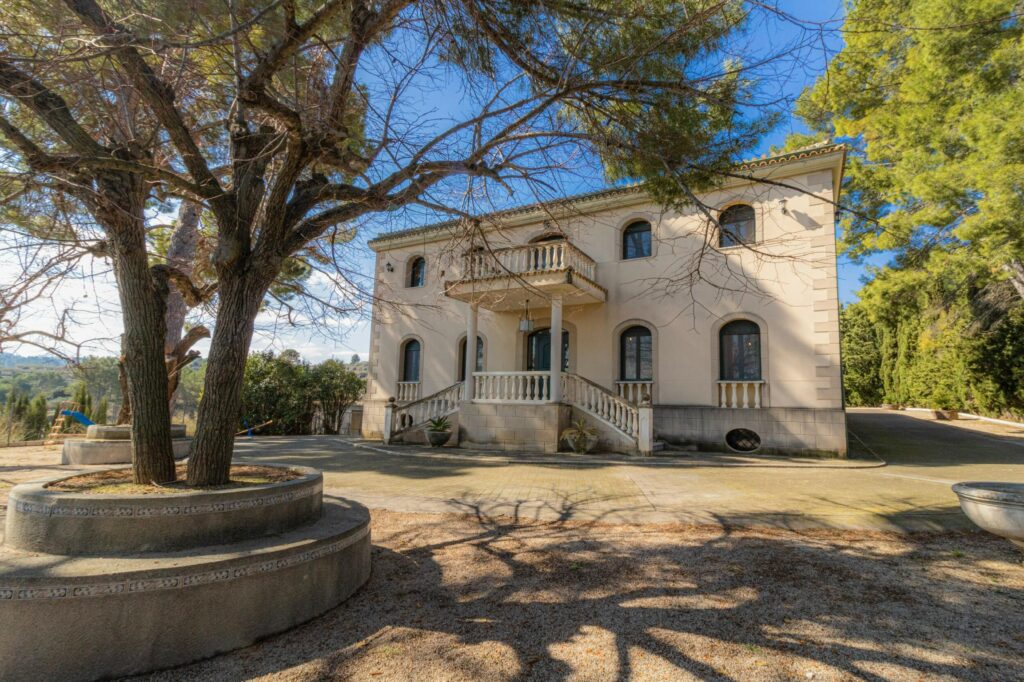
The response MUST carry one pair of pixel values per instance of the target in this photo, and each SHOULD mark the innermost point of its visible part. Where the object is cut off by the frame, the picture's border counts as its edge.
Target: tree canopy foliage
(290, 393)
(941, 336)
(290, 123)
(930, 94)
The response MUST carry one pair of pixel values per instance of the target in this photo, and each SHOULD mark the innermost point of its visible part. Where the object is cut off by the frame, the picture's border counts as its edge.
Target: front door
(538, 351)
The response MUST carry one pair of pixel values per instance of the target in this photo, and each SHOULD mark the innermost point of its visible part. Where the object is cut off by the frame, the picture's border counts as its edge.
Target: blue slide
(78, 417)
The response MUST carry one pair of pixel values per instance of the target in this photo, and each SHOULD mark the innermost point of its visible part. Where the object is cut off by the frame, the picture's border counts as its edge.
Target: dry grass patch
(119, 481)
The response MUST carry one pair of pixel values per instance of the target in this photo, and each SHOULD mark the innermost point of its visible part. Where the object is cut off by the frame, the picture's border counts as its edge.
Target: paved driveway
(912, 493)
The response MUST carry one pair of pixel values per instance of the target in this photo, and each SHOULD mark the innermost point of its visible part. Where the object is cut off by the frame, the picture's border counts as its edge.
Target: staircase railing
(511, 387)
(602, 403)
(434, 406)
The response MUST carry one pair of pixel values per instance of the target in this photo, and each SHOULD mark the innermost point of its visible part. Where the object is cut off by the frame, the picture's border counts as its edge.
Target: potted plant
(581, 437)
(942, 404)
(439, 431)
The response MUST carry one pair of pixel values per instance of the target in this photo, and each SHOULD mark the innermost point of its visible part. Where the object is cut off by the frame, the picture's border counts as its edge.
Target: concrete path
(912, 492)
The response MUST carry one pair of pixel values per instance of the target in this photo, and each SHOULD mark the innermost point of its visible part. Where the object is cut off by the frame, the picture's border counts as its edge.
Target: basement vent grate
(743, 440)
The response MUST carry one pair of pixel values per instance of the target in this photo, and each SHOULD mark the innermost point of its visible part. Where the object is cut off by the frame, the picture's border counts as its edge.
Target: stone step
(674, 447)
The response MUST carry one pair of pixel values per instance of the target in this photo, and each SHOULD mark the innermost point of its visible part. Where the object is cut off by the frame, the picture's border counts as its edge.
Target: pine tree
(36, 419)
(99, 415)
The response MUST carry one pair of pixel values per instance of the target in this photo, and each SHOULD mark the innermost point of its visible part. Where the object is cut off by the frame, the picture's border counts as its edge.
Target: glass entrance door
(538, 351)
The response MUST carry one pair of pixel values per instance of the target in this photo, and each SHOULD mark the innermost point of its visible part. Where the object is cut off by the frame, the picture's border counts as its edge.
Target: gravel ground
(464, 597)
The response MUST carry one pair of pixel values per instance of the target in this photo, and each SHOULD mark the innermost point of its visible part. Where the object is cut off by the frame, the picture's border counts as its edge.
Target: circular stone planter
(995, 507)
(74, 617)
(41, 519)
(110, 444)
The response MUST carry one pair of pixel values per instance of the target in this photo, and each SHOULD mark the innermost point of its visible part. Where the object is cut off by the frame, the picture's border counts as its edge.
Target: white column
(389, 416)
(645, 428)
(556, 349)
(470, 349)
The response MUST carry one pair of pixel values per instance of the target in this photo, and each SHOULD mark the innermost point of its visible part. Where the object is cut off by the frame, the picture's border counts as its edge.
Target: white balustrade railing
(528, 259)
(741, 394)
(634, 391)
(440, 404)
(512, 387)
(600, 402)
(407, 391)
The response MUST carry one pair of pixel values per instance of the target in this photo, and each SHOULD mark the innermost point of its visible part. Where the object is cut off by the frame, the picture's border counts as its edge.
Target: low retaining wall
(40, 519)
(783, 430)
(74, 618)
(505, 426)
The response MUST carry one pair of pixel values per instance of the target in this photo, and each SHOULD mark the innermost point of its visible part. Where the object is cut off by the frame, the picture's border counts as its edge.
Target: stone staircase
(622, 424)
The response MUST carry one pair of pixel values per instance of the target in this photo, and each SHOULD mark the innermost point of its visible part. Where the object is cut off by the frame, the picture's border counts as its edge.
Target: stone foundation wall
(783, 430)
(528, 428)
(372, 425)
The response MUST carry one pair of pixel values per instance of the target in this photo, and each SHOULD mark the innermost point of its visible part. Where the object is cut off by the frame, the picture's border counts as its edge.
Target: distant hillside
(13, 360)
(361, 368)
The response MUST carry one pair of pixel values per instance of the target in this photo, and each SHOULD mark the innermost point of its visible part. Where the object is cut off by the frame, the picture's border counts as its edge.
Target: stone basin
(111, 444)
(995, 507)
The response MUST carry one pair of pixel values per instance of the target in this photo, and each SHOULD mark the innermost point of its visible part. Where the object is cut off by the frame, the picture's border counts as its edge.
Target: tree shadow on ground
(477, 596)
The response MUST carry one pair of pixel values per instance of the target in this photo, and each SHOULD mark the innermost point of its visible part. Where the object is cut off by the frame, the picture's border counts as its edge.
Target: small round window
(743, 440)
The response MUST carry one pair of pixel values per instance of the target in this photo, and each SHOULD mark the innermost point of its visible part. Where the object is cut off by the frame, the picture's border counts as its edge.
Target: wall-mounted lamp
(525, 323)
(782, 206)
(389, 267)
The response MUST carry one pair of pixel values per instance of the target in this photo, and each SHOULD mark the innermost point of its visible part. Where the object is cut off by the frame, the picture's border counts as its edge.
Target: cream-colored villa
(675, 329)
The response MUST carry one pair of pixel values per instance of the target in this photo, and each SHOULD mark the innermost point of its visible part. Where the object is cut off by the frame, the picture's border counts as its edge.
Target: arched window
(636, 355)
(636, 240)
(462, 357)
(739, 353)
(417, 272)
(738, 226)
(411, 352)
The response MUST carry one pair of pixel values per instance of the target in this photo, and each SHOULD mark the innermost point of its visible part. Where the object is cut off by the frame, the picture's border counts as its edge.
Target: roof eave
(802, 161)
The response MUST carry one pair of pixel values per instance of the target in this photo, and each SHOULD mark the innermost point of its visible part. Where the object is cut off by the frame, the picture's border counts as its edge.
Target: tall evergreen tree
(931, 95)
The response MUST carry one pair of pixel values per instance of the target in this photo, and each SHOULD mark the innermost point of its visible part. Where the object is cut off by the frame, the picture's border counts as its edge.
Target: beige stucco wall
(786, 283)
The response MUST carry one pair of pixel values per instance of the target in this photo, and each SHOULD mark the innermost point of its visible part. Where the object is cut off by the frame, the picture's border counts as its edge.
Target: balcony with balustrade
(503, 279)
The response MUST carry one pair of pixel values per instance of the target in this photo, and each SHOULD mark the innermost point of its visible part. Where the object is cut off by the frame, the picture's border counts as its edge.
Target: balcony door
(538, 351)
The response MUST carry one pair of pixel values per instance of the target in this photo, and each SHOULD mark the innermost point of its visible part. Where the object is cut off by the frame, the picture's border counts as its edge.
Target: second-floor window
(636, 240)
(738, 226)
(417, 272)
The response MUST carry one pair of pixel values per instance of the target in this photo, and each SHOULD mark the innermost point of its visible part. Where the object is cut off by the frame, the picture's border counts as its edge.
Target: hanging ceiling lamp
(525, 323)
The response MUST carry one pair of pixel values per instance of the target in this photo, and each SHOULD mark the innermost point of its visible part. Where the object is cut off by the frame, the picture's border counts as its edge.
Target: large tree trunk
(181, 253)
(220, 409)
(1016, 270)
(143, 305)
